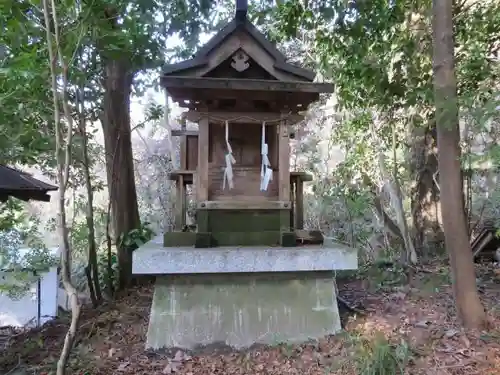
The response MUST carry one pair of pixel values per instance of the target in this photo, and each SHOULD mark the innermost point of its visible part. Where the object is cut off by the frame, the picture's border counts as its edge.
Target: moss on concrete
(242, 309)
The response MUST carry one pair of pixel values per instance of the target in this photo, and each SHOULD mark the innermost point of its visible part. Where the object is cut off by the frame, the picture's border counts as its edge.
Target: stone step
(154, 259)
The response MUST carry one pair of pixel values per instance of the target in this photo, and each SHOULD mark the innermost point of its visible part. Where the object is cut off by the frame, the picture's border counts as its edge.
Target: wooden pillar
(292, 203)
(283, 162)
(180, 220)
(202, 169)
(299, 204)
(183, 144)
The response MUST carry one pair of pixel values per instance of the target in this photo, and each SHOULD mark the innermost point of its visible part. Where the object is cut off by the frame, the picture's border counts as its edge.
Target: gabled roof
(21, 185)
(199, 60)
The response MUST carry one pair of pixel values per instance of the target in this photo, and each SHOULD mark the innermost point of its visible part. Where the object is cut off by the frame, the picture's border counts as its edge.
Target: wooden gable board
(241, 41)
(240, 34)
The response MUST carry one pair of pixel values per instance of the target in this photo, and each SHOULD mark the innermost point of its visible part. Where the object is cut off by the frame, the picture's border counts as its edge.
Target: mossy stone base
(264, 238)
(179, 239)
(244, 227)
(288, 239)
(243, 220)
(236, 228)
(204, 240)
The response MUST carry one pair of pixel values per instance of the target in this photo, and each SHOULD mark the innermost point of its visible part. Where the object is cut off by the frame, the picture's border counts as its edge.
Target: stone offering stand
(249, 273)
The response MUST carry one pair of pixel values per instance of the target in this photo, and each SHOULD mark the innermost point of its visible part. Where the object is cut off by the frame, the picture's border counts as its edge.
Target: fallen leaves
(112, 339)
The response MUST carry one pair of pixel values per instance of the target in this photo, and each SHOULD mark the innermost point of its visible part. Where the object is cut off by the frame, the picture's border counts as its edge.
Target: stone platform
(241, 296)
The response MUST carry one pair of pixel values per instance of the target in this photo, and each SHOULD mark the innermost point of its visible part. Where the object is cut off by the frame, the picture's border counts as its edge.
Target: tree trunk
(63, 157)
(119, 160)
(468, 304)
(425, 200)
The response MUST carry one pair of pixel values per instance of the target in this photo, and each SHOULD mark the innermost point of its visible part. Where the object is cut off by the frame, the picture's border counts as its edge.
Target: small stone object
(423, 324)
(175, 363)
(451, 333)
(122, 366)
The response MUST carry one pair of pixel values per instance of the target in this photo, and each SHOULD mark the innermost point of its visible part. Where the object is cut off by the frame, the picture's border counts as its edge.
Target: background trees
(372, 147)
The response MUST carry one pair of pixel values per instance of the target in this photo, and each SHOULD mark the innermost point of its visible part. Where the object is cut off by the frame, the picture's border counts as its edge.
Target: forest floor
(404, 325)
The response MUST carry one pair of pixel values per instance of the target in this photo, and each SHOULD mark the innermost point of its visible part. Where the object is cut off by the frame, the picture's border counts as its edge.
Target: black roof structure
(21, 185)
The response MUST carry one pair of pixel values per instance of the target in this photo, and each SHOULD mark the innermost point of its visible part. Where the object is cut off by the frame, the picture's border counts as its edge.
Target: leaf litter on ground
(410, 329)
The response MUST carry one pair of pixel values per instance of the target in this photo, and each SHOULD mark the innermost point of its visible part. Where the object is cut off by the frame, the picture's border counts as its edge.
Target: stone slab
(154, 259)
(240, 310)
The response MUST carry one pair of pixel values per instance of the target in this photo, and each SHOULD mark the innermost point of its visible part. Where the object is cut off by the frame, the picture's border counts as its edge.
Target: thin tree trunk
(92, 270)
(468, 304)
(63, 157)
(391, 185)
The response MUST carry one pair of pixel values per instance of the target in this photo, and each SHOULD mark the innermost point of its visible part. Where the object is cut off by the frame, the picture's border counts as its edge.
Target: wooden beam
(186, 174)
(279, 100)
(202, 182)
(283, 162)
(242, 117)
(180, 133)
(244, 84)
(243, 205)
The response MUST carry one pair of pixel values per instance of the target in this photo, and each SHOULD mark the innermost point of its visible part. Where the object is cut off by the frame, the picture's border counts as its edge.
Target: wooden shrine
(246, 275)
(244, 97)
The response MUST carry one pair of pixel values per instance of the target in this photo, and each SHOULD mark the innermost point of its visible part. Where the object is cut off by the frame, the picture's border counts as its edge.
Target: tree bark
(468, 304)
(119, 160)
(425, 197)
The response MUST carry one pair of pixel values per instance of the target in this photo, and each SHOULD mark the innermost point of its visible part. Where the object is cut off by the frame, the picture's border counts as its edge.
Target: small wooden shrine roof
(239, 65)
(200, 58)
(21, 185)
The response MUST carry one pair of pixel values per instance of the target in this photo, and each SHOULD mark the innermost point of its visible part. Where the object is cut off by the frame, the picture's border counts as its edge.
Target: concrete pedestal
(239, 296)
(240, 310)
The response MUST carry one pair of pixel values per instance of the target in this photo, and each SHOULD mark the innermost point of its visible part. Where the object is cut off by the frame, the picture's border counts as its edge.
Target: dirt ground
(400, 327)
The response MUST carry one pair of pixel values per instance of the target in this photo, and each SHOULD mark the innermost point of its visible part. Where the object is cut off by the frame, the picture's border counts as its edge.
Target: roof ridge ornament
(241, 10)
(240, 61)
